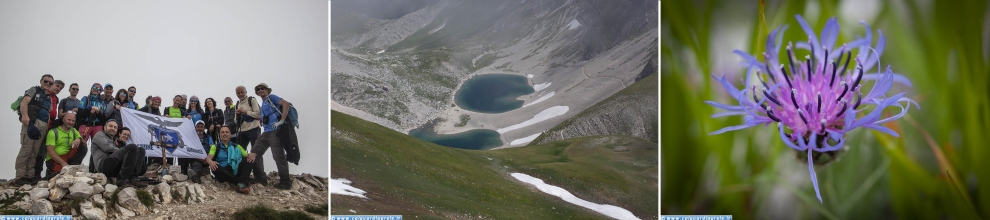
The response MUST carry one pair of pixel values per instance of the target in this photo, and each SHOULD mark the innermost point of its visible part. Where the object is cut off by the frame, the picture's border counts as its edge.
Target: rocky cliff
(630, 112)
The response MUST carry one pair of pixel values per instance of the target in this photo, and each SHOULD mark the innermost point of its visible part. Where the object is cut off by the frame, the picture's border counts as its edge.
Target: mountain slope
(418, 179)
(631, 111)
(403, 65)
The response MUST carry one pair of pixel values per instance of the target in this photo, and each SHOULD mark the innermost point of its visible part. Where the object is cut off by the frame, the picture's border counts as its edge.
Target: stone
(125, 212)
(97, 188)
(6, 193)
(182, 191)
(73, 169)
(196, 194)
(163, 218)
(56, 194)
(98, 199)
(180, 177)
(25, 187)
(41, 184)
(90, 212)
(174, 169)
(100, 178)
(65, 182)
(110, 189)
(128, 199)
(168, 179)
(81, 189)
(86, 180)
(39, 193)
(24, 205)
(164, 192)
(41, 207)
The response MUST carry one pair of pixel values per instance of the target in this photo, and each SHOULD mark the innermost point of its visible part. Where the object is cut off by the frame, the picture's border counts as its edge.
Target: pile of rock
(76, 192)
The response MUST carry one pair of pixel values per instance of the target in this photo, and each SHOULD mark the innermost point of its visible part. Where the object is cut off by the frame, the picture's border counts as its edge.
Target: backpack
(245, 117)
(15, 106)
(293, 116)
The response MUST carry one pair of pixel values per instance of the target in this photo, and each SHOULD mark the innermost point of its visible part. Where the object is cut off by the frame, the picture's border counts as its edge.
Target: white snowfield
(380, 51)
(343, 187)
(573, 24)
(541, 86)
(438, 28)
(608, 210)
(529, 76)
(525, 140)
(540, 99)
(539, 117)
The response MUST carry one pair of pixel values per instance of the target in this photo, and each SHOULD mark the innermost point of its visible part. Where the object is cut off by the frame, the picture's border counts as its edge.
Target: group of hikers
(55, 132)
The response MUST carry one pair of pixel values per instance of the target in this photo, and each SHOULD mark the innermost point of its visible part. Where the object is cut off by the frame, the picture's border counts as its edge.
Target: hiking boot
(34, 180)
(244, 188)
(19, 182)
(284, 185)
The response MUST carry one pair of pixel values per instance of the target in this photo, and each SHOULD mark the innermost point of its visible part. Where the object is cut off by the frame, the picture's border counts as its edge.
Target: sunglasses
(258, 89)
(133, 91)
(73, 89)
(49, 82)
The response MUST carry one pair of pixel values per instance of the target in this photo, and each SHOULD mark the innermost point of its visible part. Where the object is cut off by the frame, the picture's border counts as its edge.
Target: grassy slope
(404, 175)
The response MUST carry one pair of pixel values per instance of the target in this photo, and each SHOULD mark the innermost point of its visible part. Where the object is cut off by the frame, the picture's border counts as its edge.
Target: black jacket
(214, 117)
(148, 109)
(287, 135)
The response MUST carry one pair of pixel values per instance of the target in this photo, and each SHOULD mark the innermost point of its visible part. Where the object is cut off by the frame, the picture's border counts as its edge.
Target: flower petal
(733, 91)
(814, 179)
(830, 33)
(881, 129)
(874, 57)
(723, 114)
(898, 78)
(863, 51)
(749, 60)
(787, 141)
(811, 34)
(730, 128)
(827, 148)
(724, 106)
(882, 85)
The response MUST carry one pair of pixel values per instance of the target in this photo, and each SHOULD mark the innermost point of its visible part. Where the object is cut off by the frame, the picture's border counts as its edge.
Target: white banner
(151, 132)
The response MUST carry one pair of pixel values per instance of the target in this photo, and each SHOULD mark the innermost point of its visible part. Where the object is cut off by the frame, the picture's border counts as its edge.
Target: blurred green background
(936, 169)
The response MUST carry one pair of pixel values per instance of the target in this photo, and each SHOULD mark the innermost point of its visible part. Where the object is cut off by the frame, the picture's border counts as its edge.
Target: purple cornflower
(816, 98)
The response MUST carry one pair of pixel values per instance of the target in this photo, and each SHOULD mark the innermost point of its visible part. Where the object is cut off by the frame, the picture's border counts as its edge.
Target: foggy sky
(165, 48)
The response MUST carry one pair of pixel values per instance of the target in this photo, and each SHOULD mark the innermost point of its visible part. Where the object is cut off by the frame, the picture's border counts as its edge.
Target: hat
(33, 132)
(107, 85)
(156, 98)
(200, 122)
(263, 85)
(97, 87)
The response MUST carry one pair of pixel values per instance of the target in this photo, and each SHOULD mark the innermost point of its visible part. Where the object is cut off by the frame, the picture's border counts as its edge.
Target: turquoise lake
(492, 93)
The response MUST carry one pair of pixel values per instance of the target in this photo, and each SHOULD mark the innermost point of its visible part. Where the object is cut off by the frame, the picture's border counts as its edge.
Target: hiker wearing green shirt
(63, 146)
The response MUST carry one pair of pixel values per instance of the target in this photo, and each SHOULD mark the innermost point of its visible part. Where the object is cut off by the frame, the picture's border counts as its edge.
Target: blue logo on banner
(164, 137)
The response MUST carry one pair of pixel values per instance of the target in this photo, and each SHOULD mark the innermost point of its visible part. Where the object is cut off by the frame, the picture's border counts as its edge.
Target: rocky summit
(75, 191)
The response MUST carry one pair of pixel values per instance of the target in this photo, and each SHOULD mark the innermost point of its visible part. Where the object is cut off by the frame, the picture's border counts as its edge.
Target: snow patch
(541, 86)
(343, 187)
(526, 139)
(380, 51)
(608, 210)
(529, 76)
(542, 116)
(438, 28)
(574, 24)
(541, 99)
